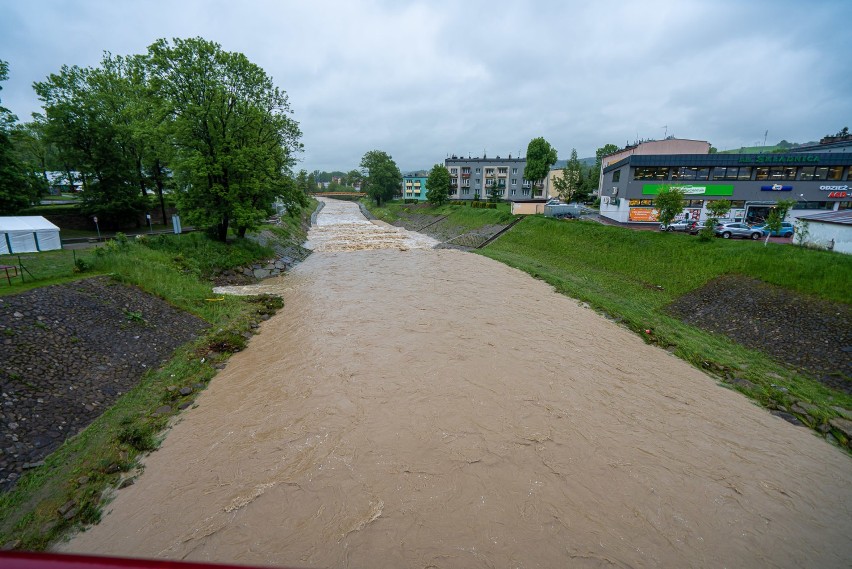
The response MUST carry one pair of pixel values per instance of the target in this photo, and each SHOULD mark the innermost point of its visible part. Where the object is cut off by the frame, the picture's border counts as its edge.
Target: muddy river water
(419, 407)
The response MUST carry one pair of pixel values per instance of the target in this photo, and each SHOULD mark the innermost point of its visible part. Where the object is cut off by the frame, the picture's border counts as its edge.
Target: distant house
(59, 182)
(414, 186)
(832, 231)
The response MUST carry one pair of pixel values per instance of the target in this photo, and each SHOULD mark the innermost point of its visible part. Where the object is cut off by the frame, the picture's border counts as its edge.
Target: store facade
(753, 183)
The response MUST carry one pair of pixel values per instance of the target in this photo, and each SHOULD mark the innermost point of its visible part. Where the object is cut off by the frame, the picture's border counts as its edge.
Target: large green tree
(669, 204)
(776, 216)
(716, 209)
(438, 185)
(90, 116)
(594, 177)
(540, 157)
(382, 176)
(569, 185)
(233, 140)
(19, 186)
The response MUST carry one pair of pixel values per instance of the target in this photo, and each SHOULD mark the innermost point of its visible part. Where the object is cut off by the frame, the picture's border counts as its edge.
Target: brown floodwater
(413, 407)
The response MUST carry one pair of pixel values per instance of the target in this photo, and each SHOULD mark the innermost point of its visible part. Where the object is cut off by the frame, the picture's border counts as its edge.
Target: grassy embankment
(463, 216)
(81, 473)
(631, 276)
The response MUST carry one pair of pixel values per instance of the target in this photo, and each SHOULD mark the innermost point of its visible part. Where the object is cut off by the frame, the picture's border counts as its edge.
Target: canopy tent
(27, 234)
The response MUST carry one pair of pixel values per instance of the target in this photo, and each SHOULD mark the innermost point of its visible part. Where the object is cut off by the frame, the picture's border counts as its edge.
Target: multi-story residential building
(414, 186)
(480, 178)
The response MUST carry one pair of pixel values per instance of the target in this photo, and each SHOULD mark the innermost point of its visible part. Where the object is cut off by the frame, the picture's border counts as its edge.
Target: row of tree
(186, 117)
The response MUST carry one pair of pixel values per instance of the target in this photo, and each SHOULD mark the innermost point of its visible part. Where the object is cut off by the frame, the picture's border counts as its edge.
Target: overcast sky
(421, 80)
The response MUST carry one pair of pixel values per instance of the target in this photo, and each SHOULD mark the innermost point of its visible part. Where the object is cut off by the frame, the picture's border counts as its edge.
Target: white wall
(831, 236)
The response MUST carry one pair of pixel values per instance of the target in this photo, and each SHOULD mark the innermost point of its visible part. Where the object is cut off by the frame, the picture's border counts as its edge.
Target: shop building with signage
(670, 145)
(818, 181)
(478, 178)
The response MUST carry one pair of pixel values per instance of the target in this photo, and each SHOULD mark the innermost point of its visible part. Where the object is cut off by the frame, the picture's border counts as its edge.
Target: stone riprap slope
(451, 235)
(67, 352)
(805, 332)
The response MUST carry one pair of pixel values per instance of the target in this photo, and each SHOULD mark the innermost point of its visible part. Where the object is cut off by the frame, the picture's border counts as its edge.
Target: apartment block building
(479, 178)
(414, 186)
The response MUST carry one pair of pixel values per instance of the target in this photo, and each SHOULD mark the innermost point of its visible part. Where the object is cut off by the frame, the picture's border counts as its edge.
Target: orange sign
(643, 214)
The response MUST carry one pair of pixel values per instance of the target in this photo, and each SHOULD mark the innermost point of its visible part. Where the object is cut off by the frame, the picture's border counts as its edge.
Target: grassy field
(82, 472)
(632, 275)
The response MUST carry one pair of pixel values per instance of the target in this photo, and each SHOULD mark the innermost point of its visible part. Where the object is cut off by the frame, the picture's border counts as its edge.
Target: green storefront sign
(690, 189)
(780, 159)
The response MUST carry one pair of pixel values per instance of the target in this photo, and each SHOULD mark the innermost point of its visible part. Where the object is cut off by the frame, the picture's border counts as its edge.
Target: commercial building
(654, 148)
(414, 186)
(817, 179)
(480, 178)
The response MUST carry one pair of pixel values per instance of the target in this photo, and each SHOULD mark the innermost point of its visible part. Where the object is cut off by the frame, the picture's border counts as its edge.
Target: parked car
(553, 201)
(728, 230)
(686, 225)
(787, 230)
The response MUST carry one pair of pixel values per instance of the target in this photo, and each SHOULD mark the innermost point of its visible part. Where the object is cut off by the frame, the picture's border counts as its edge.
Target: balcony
(465, 175)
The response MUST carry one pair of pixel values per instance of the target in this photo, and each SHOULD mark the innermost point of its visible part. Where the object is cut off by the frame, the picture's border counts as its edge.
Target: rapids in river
(420, 407)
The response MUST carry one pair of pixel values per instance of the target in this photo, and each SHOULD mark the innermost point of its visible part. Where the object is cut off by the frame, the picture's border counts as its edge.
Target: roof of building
(708, 160)
(478, 159)
(645, 142)
(843, 217)
(832, 143)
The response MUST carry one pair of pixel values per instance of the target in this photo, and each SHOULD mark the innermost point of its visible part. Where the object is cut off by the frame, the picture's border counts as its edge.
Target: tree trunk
(158, 179)
(222, 229)
(141, 177)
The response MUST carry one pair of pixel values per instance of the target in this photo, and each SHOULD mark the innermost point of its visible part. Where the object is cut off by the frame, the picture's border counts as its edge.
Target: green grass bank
(75, 482)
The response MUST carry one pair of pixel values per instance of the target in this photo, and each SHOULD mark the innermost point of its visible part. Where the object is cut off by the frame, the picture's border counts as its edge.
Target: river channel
(420, 407)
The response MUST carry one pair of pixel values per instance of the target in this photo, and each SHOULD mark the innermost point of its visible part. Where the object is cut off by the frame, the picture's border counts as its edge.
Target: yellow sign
(643, 214)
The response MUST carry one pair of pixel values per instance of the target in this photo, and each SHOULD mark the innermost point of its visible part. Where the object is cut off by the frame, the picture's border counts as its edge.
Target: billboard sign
(690, 189)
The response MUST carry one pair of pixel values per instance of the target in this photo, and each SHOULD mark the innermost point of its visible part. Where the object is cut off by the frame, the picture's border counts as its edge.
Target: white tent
(27, 234)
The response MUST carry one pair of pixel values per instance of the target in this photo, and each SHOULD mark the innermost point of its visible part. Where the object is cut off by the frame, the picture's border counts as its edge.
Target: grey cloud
(423, 79)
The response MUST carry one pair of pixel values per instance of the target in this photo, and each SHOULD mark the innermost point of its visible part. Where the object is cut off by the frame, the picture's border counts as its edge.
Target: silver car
(728, 230)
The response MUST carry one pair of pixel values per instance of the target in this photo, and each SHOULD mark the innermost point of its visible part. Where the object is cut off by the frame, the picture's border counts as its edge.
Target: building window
(835, 173)
(616, 176)
(693, 203)
(502, 170)
(651, 174)
(745, 173)
(690, 173)
(465, 191)
(807, 173)
(454, 170)
(513, 191)
(637, 203)
(845, 205)
(762, 173)
(489, 182)
(514, 170)
(526, 191)
(477, 170)
(514, 181)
